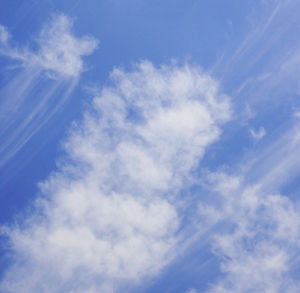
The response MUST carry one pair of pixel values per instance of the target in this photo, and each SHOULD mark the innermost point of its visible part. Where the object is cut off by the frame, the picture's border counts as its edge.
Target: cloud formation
(59, 52)
(4, 35)
(257, 134)
(110, 215)
(42, 82)
(118, 210)
(259, 242)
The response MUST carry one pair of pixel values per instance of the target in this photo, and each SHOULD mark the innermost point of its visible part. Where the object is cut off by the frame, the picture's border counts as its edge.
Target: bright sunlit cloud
(110, 213)
(174, 176)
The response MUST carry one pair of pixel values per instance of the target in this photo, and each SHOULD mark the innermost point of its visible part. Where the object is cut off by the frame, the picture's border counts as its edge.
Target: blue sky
(149, 146)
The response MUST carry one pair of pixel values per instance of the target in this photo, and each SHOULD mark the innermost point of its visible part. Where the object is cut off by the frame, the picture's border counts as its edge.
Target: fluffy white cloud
(58, 51)
(260, 240)
(109, 215)
(61, 52)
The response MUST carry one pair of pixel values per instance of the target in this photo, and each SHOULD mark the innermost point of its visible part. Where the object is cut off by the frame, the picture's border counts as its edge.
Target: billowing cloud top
(110, 213)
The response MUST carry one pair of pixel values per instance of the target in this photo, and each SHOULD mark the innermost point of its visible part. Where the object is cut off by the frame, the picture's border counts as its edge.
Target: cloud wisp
(42, 81)
(110, 214)
(257, 134)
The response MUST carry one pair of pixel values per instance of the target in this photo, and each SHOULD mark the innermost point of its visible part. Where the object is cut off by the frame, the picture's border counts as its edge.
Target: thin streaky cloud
(45, 81)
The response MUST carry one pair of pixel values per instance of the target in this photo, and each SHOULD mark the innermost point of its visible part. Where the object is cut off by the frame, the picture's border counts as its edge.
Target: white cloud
(110, 213)
(22, 111)
(277, 163)
(258, 134)
(59, 51)
(258, 246)
(4, 35)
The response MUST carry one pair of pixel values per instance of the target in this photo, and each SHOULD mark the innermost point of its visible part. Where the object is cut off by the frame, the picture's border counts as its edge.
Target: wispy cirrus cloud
(111, 214)
(43, 81)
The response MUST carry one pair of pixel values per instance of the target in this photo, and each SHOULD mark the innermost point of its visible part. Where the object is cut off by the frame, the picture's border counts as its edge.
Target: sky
(149, 146)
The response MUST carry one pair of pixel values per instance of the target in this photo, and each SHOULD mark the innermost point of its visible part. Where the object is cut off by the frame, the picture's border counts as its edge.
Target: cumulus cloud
(258, 245)
(110, 214)
(59, 51)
